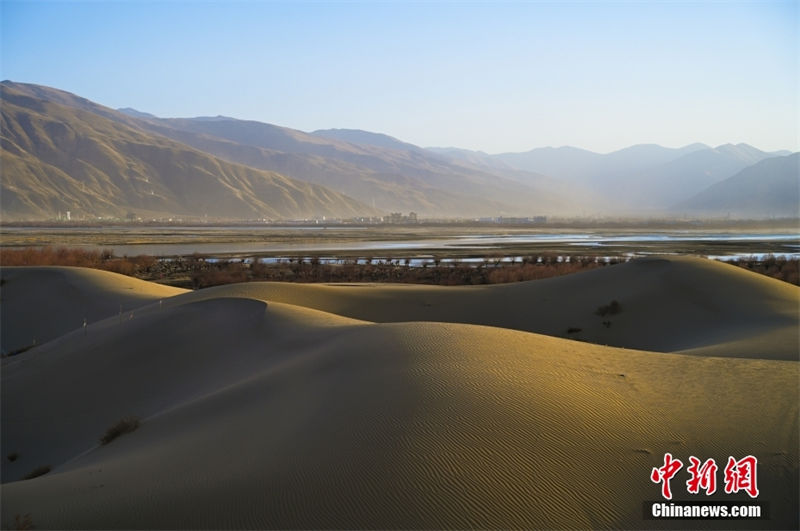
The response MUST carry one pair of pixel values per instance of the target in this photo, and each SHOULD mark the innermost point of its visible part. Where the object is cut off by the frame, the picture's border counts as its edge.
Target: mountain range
(770, 185)
(646, 175)
(61, 152)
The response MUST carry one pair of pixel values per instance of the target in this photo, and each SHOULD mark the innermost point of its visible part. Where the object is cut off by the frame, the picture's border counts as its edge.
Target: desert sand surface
(293, 406)
(42, 303)
(668, 305)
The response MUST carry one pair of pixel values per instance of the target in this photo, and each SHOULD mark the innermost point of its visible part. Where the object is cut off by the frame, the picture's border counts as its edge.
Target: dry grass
(63, 256)
(19, 350)
(23, 522)
(38, 471)
(123, 426)
(612, 308)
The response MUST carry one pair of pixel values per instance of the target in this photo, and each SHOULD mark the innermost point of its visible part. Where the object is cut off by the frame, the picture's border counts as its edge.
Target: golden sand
(260, 410)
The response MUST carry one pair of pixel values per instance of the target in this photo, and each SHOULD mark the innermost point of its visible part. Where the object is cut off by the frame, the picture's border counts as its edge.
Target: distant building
(522, 221)
(397, 218)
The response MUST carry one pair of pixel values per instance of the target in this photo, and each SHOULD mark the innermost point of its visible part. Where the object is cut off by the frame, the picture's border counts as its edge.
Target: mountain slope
(63, 153)
(769, 188)
(401, 177)
(663, 185)
(366, 138)
(582, 165)
(381, 190)
(565, 162)
(408, 179)
(477, 158)
(644, 176)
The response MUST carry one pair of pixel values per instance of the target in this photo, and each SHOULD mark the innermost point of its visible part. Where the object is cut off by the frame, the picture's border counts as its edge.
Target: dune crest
(284, 423)
(668, 305)
(41, 303)
(257, 413)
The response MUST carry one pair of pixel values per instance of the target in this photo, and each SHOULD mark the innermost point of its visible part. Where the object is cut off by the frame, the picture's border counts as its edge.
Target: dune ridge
(263, 414)
(668, 305)
(41, 303)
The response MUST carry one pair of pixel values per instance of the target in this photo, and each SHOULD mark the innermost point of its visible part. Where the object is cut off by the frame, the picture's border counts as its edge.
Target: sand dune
(41, 303)
(668, 305)
(263, 414)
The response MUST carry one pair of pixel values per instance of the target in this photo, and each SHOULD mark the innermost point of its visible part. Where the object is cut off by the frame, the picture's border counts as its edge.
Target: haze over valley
(64, 153)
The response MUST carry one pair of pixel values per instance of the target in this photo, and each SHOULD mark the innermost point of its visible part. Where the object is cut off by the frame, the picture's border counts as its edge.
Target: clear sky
(492, 76)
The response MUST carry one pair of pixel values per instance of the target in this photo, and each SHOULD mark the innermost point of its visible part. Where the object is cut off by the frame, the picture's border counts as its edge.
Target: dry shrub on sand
(123, 426)
(612, 308)
(38, 471)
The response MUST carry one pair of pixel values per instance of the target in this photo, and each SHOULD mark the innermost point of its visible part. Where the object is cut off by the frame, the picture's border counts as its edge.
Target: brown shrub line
(76, 257)
(780, 267)
(196, 272)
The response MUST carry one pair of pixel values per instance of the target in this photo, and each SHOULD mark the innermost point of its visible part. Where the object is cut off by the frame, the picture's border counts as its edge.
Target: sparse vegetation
(204, 273)
(782, 268)
(23, 522)
(123, 426)
(20, 350)
(574, 330)
(197, 272)
(63, 256)
(218, 274)
(612, 308)
(38, 471)
(13, 456)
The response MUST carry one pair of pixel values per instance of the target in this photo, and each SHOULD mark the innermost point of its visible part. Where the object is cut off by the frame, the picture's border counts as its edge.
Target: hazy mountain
(582, 201)
(476, 158)
(663, 185)
(365, 138)
(386, 192)
(642, 177)
(564, 162)
(769, 188)
(402, 177)
(585, 166)
(644, 155)
(136, 114)
(63, 153)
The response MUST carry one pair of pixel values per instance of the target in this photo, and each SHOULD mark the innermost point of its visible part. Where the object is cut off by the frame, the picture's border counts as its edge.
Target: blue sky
(488, 76)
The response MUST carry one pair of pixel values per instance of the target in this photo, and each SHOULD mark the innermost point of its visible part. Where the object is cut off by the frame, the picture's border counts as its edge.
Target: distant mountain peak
(365, 138)
(217, 118)
(768, 188)
(453, 149)
(130, 111)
